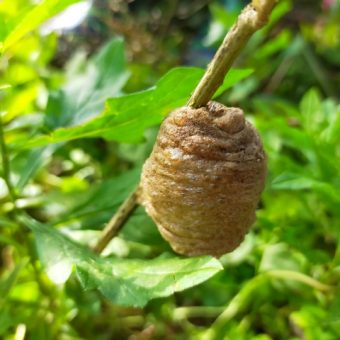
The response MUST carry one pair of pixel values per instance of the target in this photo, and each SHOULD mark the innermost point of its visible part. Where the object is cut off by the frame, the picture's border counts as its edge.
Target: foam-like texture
(203, 180)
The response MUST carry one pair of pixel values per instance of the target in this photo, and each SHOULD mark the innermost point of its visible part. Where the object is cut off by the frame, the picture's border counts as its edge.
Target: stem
(300, 277)
(117, 221)
(5, 164)
(252, 18)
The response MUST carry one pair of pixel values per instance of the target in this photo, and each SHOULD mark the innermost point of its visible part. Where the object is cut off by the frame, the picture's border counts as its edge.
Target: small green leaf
(234, 76)
(97, 201)
(311, 111)
(27, 162)
(122, 281)
(292, 181)
(332, 132)
(88, 86)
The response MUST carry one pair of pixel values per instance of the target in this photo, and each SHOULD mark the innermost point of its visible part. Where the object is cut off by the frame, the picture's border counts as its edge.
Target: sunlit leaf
(33, 19)
(123, 282)
(84, 94)
(126, 117)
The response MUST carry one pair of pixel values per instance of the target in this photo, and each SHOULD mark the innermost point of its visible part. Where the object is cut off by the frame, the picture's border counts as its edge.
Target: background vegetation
(75, 133)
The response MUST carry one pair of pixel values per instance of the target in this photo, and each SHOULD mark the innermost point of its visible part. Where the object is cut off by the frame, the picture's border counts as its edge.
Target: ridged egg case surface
(203, 179)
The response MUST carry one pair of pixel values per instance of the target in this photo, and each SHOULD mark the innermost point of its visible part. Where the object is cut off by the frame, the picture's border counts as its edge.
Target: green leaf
(33, 19)
(292, 181)
(27, 162)
(275, 45)
(220, 23)
(82, 97)
(332, 131)
(89, 85)
(98, 201)
(122, 281)
(311, 111)
(234, 76)
(126, 117)
(280, 256)
(135, 282)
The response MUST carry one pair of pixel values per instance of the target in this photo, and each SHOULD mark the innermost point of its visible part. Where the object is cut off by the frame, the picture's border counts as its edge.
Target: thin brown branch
(117, 221)
(251, 19)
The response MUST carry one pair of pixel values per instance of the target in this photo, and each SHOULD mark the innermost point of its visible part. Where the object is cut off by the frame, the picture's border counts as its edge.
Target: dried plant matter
(203, 180)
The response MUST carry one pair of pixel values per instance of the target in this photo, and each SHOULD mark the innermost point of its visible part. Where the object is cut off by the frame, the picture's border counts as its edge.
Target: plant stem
(5, 164)
(252, 18)
(300, 277)
(117, 221)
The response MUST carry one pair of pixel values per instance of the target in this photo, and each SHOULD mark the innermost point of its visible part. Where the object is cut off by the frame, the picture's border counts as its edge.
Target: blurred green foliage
(66, 167)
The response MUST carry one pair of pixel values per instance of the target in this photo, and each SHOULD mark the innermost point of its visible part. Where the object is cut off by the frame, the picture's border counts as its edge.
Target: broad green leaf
(126, 117)
(82, 97)
(89, 84)
(33, 19)
(123, 282)
(135, 282)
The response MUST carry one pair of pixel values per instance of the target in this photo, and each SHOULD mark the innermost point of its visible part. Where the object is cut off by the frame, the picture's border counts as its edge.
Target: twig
(252, 18)
(117, 221)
